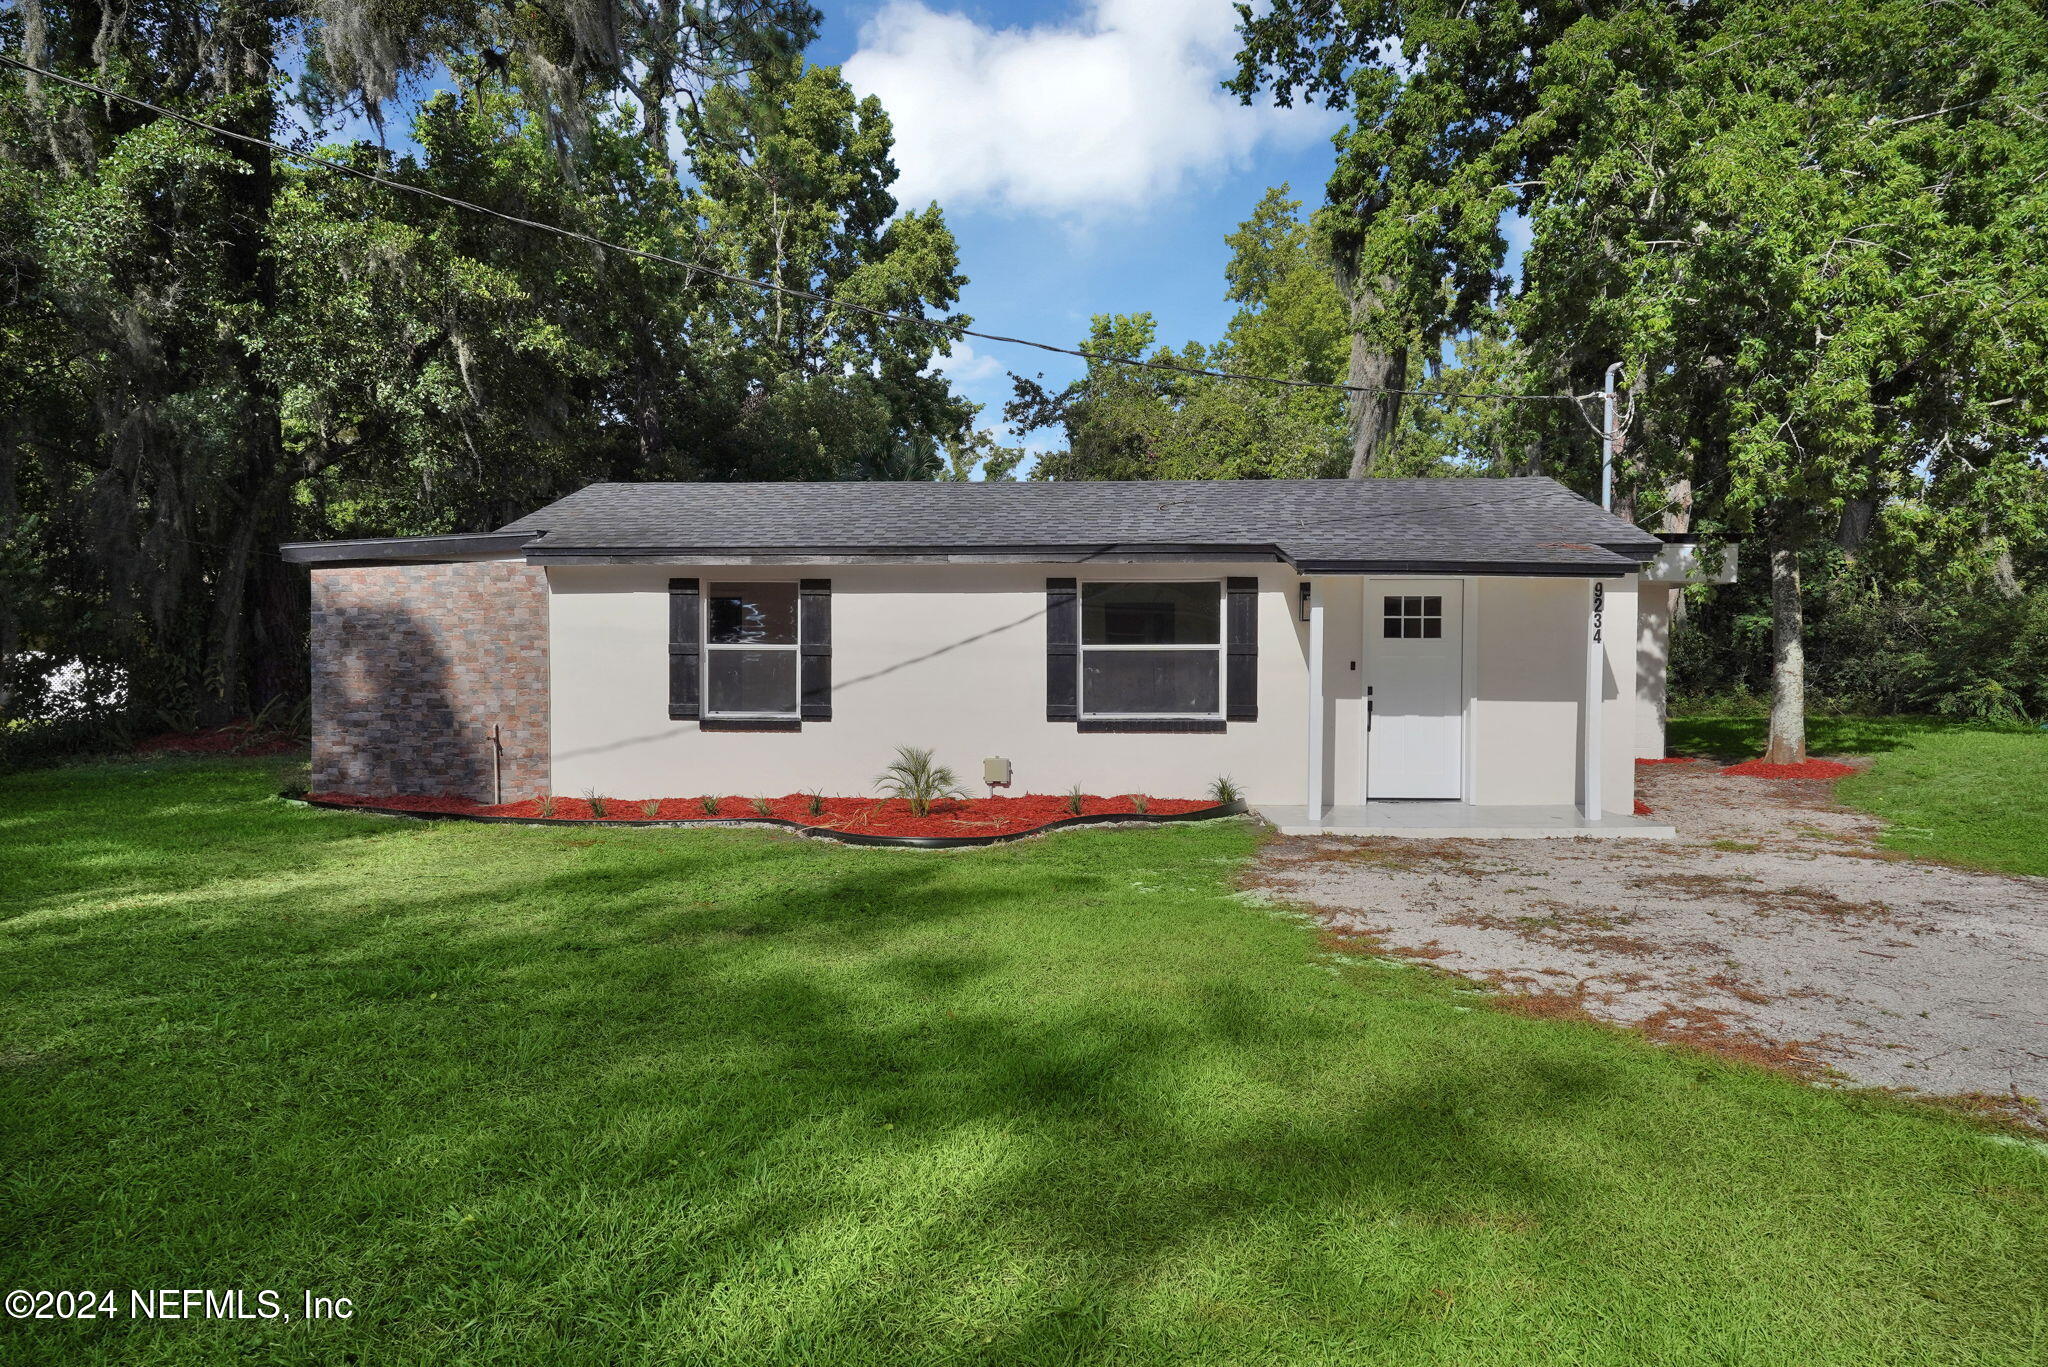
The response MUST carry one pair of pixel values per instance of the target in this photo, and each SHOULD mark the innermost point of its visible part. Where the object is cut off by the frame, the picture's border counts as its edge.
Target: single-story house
(1353, 654)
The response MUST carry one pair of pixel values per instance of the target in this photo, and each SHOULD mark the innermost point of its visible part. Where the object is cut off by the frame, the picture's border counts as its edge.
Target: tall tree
(272, 350)
(1811, 232)
(1126, 423)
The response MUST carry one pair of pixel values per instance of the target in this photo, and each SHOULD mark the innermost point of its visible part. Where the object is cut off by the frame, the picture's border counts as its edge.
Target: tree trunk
(1678, 518)
(254, 495)
(10, 516)
(1788, 656)
(1859, 515)
(1373, 416)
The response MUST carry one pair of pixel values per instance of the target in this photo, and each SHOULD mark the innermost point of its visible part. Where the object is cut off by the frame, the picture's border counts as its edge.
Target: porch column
(1589, 757)
(1314, 776)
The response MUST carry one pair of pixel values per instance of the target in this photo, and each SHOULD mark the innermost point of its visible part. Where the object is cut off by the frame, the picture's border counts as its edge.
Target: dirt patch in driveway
(1772, 929)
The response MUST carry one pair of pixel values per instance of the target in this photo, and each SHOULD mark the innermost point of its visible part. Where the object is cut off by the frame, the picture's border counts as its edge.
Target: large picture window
(1152, 650)
(750, 650)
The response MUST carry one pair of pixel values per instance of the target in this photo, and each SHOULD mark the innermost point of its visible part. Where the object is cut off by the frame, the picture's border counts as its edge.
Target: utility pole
(1610, 440)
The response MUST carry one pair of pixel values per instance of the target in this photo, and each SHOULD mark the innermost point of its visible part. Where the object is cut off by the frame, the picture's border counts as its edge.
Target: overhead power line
(938, 325)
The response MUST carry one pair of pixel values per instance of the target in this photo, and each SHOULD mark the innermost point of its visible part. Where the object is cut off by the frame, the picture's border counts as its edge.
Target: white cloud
(964, 365)
(1115, 111)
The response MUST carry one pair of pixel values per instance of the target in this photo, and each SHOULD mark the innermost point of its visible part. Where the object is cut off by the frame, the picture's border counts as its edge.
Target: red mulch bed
(1813, 768)
(1670, 759)
(1644, 809)
(236, 738)
(862, 815)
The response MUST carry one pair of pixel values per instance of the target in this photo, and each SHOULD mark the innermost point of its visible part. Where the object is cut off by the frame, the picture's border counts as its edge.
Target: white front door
(1415, 688)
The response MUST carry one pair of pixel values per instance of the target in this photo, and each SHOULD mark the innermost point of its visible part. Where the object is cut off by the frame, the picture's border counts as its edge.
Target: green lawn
(642, 1097)
(1974, 795)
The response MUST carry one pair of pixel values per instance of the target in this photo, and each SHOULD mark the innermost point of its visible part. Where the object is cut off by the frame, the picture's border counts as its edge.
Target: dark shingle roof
(1445, 525)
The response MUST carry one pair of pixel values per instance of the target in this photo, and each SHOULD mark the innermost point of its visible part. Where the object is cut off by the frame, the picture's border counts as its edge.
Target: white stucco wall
(1653, 662)
(953, 657)
(1531, 676)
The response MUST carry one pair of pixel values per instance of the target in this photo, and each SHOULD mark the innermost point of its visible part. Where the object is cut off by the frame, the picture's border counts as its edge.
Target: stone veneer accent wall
(412, 667)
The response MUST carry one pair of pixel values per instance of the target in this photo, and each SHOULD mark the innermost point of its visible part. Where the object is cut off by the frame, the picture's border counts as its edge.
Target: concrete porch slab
(1461, 821)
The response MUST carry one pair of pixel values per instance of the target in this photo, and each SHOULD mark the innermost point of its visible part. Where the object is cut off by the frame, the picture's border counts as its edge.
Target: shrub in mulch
(855, 815)
(1812, 768)
(235, 738)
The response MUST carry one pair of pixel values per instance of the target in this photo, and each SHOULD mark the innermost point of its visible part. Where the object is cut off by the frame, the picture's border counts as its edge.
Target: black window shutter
(684, 678)
(814, 631)
(1241, 625)
(1062, 642)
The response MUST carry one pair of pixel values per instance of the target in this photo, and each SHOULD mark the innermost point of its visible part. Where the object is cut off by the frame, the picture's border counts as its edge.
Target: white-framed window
(750, 649)
(1151, 649)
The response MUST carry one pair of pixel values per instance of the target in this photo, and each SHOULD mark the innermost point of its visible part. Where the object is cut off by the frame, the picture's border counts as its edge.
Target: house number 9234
(1599, 607)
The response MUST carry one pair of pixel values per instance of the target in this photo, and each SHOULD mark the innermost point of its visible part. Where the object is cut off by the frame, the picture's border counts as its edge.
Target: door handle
(1368, 709)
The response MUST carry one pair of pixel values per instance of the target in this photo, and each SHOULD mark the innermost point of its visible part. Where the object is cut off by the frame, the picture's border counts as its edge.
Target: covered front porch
(1473, 706)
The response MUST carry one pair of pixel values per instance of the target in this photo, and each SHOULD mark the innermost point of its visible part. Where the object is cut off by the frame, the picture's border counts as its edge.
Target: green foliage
(918, 780)
(1946, 644)
(1125, 423)
(214, 350)
(1815, 235)
(1225, 789)
(598, 803)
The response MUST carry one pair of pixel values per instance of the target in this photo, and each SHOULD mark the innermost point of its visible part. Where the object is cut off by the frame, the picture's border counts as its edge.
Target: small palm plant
(1225, 790)
(598, 801)
(814, 803)
(547, 805)
(709, 804)
(652, 807)
(913, 777)
(761, 807)
(1139, 803)
(1076, 799)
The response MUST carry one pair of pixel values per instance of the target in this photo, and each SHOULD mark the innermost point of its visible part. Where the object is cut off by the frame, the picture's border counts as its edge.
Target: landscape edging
(917, 842)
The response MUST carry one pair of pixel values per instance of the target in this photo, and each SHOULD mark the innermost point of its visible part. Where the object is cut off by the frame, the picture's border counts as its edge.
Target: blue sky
(1085, 157)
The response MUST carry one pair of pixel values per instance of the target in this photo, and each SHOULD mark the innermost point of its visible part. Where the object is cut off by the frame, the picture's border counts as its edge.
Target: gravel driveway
(1773, 927)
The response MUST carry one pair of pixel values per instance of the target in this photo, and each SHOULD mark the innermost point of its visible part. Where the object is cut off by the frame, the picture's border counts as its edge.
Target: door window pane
(751, 681)
(751, 614)
(1150, 682)
(1412, 617)
(1151, 614)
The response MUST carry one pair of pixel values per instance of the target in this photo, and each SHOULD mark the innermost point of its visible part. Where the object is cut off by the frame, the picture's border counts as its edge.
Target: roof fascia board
(1488, 568)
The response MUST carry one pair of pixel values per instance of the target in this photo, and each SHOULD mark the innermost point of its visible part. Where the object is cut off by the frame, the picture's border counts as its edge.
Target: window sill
(751, 724)
(1103, 726)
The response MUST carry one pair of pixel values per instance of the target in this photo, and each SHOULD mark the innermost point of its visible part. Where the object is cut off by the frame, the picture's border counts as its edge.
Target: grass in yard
(723, 1096)
(1974, 795)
